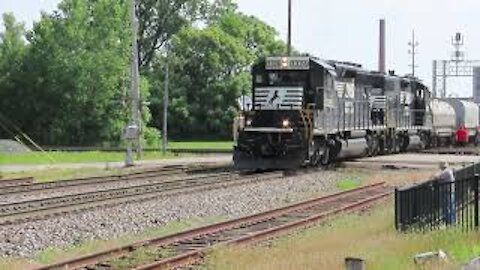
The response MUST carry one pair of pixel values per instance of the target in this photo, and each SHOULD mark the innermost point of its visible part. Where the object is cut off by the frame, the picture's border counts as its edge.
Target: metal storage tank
(444, 120)
(467, 113)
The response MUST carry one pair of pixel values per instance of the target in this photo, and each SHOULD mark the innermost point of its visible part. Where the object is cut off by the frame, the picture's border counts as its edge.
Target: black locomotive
(307, 111)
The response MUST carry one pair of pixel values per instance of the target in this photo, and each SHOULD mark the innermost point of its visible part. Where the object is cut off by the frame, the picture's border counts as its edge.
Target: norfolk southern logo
(274, 97)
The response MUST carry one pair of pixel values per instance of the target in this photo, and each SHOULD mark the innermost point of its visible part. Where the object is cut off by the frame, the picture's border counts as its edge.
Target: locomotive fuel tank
(354, 148)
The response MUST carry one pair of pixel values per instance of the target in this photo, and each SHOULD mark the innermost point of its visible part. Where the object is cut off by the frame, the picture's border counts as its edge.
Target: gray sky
(348, 29)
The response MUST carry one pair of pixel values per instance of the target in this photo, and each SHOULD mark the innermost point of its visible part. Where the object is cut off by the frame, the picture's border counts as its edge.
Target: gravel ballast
(27, 239)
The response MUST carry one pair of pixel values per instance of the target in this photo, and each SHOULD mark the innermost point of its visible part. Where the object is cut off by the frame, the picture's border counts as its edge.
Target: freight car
(466, 113)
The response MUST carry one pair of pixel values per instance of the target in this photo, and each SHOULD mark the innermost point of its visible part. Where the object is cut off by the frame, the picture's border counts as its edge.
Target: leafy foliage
(66, 81)
(159, 20)
(12, 52)
(209, 70)
(76, 74)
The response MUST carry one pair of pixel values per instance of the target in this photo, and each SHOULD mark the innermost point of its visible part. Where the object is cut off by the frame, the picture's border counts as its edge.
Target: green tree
(12, 52)
(78, 69)
(205, 65)
(218, 8)
(159, 20)
(69, 83)
(258, 37)
(209, 70)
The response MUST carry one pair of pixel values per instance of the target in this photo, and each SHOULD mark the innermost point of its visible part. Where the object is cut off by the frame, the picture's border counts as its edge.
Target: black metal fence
(432, 205)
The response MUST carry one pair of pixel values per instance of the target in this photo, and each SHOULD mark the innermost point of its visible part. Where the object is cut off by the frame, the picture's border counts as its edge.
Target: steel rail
(245, 222)
(27, 188)
(196, 256)
(132, 176)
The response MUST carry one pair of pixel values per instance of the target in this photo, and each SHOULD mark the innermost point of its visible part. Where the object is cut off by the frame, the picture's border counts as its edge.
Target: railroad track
(16, 182)
(41, 208)
(151, 174)
(189, 247)
(46, 186)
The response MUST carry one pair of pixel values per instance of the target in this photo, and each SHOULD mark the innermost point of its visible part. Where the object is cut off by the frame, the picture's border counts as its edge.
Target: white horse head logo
(274, 97)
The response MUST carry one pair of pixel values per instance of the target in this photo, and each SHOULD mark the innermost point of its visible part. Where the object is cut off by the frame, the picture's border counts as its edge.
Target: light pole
(289, 38)
(133, 130)
(165, 108)
(413, 52)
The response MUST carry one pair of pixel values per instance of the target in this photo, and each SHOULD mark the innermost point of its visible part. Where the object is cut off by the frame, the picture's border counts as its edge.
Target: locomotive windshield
(281, 78)
(279, 90)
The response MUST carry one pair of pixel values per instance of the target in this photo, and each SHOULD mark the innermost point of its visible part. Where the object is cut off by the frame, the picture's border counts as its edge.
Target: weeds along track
(41, 208)
(189, 247)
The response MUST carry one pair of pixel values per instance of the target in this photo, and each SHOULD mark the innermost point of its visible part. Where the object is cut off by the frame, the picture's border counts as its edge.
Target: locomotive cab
(287, 93)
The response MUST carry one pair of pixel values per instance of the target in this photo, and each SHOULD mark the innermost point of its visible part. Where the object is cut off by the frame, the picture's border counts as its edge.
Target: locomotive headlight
(284, 62)
(286, 123)
(248, 122)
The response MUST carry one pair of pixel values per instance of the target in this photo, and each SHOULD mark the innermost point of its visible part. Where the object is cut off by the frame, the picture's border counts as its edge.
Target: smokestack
(381, 49)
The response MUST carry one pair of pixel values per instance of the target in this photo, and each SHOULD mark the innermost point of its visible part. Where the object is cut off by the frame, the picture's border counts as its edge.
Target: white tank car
(444, 118)
(467, 113)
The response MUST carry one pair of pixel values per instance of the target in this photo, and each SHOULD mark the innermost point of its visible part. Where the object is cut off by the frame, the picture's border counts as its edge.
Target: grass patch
(74, 157)
(349, 183)
(391, 177)
(221, 145)
(370, 236)
(97, 156)
(139, 257)
(65, 174)
(53, 254)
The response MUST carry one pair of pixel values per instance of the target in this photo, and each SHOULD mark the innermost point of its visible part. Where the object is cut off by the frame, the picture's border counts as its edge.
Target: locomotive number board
(287, 63)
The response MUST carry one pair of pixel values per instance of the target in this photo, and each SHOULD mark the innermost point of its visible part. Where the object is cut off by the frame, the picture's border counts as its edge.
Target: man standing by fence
(446, 181)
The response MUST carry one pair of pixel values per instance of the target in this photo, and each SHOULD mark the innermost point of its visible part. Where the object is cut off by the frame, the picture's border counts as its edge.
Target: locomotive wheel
(405, 143)
(373, 145)
(376, 148)
(397, 144)
(315, 159)
(325, 158)
(424, 140)
(381, 145)
(435, 142)
(370, 145)
(389, 145)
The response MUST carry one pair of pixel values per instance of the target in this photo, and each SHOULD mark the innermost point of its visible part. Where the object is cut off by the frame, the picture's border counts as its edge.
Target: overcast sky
(348, 29)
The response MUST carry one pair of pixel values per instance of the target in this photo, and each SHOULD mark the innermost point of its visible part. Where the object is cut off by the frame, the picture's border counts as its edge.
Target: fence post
(397, 207)
(475, 206)
(354, 264)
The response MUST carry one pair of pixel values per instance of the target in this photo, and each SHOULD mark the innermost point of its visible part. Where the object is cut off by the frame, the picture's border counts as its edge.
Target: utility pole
(134, 129)
(165, 108)
(413, 52)
(289, 38)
